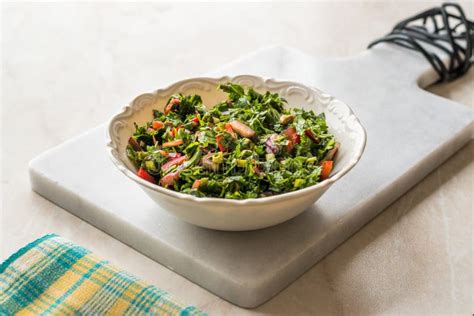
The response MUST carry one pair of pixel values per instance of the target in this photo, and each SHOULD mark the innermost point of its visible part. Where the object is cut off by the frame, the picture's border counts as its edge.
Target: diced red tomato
(158, 124)
(173, 162)
(171, 105)
(195, 120)
(142, 173)
(326, 169)
(311, 136)
(219, 139)
(291, 134)
(173, 143)
(197, 183)
(296, 139)
(230, 130)
(293, 138)
(169, 179)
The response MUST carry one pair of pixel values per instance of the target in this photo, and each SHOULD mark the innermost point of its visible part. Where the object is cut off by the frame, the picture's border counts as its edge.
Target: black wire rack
(443, 35)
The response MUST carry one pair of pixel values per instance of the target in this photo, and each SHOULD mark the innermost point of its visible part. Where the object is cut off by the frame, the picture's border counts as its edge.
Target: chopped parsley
(247, 146)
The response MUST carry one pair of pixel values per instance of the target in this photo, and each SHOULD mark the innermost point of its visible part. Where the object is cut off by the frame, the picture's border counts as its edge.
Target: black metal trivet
(438, 33)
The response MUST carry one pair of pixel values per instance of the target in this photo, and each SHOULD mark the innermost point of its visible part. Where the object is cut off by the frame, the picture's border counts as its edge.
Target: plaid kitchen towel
(54, 276)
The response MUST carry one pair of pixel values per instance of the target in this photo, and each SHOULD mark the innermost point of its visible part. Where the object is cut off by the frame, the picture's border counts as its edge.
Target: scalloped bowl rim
(262, 200)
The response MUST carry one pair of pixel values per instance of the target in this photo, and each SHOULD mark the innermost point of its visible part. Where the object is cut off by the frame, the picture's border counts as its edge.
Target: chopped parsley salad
(247, 146)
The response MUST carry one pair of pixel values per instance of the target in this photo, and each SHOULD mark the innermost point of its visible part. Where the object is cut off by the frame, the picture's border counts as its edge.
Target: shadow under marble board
(410, 132)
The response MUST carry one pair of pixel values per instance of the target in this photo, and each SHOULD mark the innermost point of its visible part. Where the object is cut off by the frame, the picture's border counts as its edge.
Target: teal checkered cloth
(53, 276)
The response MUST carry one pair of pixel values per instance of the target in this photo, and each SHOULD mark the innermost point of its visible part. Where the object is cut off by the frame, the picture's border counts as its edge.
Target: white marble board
(410, 132)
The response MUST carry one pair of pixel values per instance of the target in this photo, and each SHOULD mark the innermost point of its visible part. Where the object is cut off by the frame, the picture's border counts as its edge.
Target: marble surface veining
(66, 67)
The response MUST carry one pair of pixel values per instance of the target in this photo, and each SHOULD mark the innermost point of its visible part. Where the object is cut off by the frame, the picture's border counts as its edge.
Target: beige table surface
(66, 67)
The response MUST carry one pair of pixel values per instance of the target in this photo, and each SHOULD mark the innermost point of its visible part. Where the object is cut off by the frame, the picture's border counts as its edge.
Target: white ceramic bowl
(249, 214)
